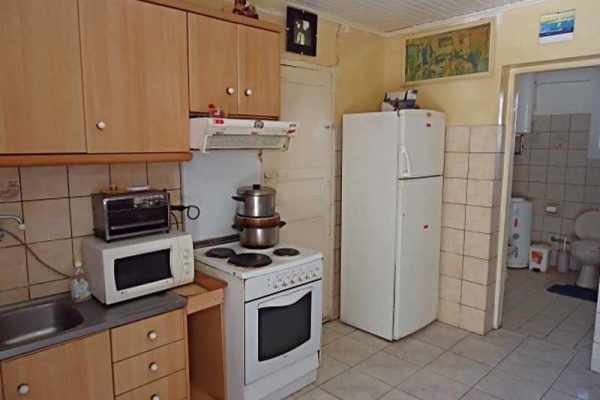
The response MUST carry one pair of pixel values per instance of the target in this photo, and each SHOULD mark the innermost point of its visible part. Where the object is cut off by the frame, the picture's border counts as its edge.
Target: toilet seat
(587, 225)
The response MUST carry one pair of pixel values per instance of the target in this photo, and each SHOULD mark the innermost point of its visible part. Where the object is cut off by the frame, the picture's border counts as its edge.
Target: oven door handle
(286, 300)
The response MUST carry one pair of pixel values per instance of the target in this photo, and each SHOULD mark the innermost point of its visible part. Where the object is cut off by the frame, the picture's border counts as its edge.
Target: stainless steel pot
(259, 238)
(255, 201)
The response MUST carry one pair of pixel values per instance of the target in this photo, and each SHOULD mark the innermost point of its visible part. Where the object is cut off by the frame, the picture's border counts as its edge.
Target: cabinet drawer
(173, 387)
(148, 334)
(147, 367)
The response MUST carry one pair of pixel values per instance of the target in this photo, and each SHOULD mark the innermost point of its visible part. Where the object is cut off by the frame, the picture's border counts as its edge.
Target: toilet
(587, 248)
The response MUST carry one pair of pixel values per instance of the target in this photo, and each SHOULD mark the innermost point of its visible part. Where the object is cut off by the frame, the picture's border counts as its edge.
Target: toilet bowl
(587, 249)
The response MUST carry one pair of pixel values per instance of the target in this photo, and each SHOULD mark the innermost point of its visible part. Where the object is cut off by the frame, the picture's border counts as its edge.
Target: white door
(422, 137)
(304, 175)
(418, 254)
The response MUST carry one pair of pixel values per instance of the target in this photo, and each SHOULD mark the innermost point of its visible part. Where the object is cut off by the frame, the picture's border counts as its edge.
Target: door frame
(506, 117)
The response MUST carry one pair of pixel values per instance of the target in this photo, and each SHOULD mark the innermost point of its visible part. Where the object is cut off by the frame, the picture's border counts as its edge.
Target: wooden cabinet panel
(77, 370)
(135, 76)
(213, 63)
(173, 387)
(1, 392)
(148, 334)
(259, 72)
(41, 106)
(147, 367)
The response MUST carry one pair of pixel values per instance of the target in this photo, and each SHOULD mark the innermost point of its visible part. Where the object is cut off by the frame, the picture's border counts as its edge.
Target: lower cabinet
(172, 387)
(77, 370)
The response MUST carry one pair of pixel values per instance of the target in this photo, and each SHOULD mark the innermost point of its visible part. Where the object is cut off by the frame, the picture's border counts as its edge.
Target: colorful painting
(455, 53)
(557, 27)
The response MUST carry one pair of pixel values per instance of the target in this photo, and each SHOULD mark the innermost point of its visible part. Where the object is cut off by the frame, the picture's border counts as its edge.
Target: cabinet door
(135, 76)
(213, 64)
(259, 72)
(41, 106)
(77, 370)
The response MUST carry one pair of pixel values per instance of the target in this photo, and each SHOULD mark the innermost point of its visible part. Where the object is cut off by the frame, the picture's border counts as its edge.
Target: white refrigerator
(391, 220)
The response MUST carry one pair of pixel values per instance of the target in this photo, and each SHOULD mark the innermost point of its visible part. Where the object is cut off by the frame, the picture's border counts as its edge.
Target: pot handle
(282, 224)
(238, 198)
(237, 228)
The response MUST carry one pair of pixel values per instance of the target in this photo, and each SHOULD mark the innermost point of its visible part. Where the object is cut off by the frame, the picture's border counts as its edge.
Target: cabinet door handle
(230, 91)
(101, 125)
(23, 389)
(153, 367)
(248, 92)
(152, 335)
(155, 397)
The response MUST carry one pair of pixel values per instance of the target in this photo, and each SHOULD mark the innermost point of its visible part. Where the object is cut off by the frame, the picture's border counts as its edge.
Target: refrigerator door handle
(407, 168)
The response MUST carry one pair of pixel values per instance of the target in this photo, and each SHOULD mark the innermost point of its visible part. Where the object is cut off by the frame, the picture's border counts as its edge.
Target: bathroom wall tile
(556, 175)
(128, 175)
(552, 224)
(486, 139)
(538, 157)
(581, 122)
(579, 140)
(479, 271)
(567, 227)
(453, 215)
(571, 210)
(475, 320)
(555, 192)
(485, 166)
(593, 177)
(57, 253)
(14, 296)
(453, 240)
(13, 266)
(560, 123)
(82, 221)
(521, 173)
(480, 192)
(559, 140)
(540, 140)
(576, 176)
(455, 190)
(591, 194)
(577, 158)
(558, 158)
(456, 165)
(522, 159)
(87, 179)
(537, 190)
(538, 223)
(520, 188)
(47, 220)
(450, 289)
(451, 264)
(164, 175)
(574, 193)
(50, 288)
(478, 245)
(479, 219)
(457, 139)
(539, 206)
(541, 123)
(537, 173)
(10, 185)
(9, 225)
(44, 182)
(449, 312)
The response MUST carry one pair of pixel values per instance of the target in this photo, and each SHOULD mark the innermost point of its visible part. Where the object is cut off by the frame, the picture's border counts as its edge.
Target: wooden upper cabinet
(41, 106)
(213, 64)
(135, 76)
(77, 370)
(259, 72)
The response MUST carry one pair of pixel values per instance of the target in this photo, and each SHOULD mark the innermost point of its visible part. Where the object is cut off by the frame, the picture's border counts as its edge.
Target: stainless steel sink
(35, 322)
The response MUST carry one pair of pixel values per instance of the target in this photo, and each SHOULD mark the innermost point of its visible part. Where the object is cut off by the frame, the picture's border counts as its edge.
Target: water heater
(521, 219)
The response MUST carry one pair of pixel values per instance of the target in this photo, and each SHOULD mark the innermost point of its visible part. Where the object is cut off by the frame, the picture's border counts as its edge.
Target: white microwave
(127, 269)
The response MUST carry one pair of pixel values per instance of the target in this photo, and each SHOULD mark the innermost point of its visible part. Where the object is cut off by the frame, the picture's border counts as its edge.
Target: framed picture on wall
(455, 53)
(301, 27)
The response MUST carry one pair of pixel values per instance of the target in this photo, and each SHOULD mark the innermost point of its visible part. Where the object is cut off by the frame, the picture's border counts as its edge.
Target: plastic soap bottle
(80, 289)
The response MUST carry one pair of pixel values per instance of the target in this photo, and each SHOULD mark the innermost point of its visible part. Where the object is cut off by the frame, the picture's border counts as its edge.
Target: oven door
(282, 329)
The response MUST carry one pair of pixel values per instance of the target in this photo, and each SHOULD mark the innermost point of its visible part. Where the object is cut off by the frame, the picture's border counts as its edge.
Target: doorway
(551, 158)
(304, 175)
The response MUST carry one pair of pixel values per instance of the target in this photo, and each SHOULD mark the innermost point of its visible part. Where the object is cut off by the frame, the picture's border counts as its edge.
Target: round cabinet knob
(101, 125)
(230, 91)
(248, 92)
(152, 335)
(23, 389)
(155, 397)
(153, 367)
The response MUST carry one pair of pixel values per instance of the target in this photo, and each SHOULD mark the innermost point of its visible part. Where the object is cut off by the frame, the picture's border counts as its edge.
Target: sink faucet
(15, 218)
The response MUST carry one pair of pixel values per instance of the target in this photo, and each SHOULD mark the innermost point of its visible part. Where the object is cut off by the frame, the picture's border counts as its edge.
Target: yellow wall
(475, 100)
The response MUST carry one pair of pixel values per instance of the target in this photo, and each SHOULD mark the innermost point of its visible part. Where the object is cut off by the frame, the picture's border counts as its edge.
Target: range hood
(209, 134)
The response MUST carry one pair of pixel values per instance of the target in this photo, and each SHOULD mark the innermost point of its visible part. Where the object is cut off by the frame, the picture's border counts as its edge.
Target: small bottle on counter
(80, 289)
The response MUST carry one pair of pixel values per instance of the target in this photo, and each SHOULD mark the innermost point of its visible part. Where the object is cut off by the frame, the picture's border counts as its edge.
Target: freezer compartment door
(418, 254)
(421, 147)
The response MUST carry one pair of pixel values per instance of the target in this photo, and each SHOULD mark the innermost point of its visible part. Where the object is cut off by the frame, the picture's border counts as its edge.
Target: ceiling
(394, 15)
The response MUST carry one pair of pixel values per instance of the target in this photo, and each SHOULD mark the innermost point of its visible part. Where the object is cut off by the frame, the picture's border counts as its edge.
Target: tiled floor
(542, 353)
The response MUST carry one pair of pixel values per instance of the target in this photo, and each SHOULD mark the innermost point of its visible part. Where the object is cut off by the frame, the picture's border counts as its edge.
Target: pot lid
(587, 225)
(256, 190)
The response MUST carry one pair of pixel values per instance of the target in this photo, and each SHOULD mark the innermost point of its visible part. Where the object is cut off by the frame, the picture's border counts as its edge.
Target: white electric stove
(273, 312)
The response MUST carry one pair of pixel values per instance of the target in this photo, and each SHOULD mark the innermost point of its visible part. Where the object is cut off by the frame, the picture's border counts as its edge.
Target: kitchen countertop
(97, 317)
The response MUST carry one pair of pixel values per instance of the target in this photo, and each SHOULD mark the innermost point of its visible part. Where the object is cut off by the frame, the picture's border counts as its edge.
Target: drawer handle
(155, 397)
(101, 125)
(23, 389)
(152, 335)
(248, 92)
(230, 91)
(153, 367)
